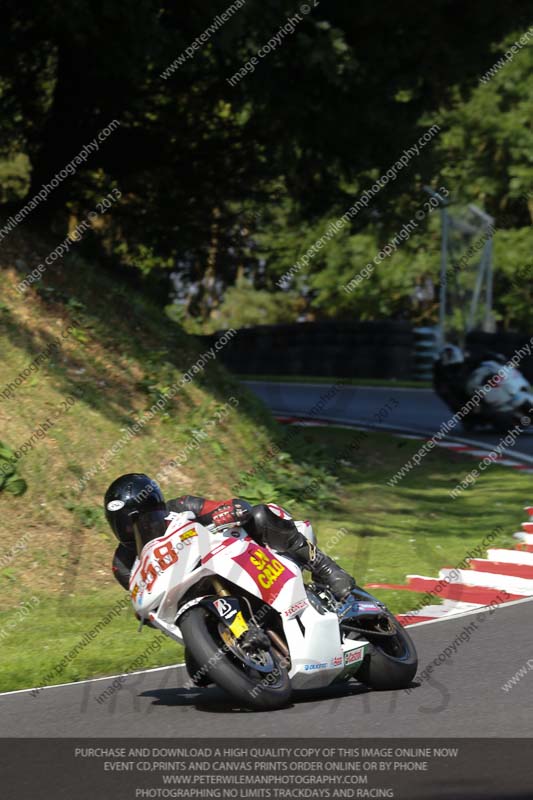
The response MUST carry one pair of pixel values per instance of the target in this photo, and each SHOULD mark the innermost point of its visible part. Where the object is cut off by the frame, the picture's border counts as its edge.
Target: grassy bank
(84, 362)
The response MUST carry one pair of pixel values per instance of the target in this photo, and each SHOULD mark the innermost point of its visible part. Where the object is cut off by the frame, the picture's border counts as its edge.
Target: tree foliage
(221, 181)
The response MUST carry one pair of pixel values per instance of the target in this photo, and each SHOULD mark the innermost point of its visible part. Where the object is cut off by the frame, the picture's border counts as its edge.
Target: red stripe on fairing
(524, 548)
(527, 527)
(219, 548)
(279, 511)
(502, 568)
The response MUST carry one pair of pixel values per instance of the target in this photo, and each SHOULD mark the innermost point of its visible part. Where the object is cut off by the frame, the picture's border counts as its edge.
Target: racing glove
(231, 512)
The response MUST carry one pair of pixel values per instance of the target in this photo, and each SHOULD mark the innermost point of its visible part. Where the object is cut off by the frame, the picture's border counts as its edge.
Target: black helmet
(135, 509)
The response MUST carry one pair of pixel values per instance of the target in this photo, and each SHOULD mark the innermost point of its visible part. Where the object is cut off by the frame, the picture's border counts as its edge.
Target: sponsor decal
(337, 661)
(269, 569)
(238, 626)
(224, 609)
(135, 592)
(295, 608)
(353, 657)
(188, 534)
(309, 667)
(115, 505)
(269, 574)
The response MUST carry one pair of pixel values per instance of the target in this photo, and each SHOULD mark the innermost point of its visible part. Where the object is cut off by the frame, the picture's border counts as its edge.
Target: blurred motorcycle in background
(507, 397)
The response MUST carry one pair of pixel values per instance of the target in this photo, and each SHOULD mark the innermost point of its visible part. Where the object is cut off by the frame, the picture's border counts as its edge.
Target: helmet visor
(151, 525)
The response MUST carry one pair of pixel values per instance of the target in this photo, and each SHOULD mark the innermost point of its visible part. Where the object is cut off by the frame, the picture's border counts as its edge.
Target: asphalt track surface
(411, 410)
(462, 697)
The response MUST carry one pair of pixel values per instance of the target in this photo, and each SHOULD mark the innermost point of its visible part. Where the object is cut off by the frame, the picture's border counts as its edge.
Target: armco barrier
(324, 349)
(386, 349)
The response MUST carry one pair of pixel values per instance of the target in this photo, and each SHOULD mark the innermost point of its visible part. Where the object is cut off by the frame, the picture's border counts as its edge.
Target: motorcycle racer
(137, 513)
(450, 374)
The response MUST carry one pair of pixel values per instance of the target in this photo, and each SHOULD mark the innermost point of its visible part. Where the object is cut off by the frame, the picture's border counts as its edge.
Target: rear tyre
(393, 662)
(251, 688)
(502, 423)
(468, 423)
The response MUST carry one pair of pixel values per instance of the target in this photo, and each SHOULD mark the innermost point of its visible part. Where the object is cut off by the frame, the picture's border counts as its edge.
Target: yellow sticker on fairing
(238, 626)
(188, 534)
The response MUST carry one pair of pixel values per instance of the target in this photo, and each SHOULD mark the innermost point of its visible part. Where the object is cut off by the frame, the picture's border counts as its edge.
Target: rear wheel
(256, 679)
(502, 423)
(393, 662)
(468, 423)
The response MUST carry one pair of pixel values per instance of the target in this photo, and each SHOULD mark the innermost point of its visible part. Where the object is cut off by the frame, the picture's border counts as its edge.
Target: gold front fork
(219, 589)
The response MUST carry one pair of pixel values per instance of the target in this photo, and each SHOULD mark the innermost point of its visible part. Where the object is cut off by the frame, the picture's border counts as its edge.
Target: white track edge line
(90, 680)
(478, 610)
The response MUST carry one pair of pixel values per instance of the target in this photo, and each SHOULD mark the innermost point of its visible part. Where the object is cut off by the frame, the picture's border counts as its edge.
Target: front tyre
(212, 656)
(197, 675)
(393, 662)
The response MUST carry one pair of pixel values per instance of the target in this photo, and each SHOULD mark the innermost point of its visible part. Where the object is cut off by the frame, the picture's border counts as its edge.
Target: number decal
(148, 576)
(165, 555)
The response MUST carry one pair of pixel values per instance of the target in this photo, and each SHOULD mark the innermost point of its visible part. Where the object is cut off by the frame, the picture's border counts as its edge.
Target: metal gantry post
(443, 204)
(443, 275)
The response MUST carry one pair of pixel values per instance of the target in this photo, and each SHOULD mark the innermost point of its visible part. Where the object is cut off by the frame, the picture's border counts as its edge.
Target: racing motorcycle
(251, 626)
(506, 399)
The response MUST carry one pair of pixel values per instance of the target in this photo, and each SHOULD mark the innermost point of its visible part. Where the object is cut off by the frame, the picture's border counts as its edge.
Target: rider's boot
(323, 569)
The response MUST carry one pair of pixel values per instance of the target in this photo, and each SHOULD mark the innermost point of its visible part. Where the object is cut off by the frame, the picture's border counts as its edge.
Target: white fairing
(171, 565)
(305, 527)
(508, 389)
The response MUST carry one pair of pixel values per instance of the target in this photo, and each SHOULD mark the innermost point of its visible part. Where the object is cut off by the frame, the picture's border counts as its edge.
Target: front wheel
(393, 662)
(247, 679)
